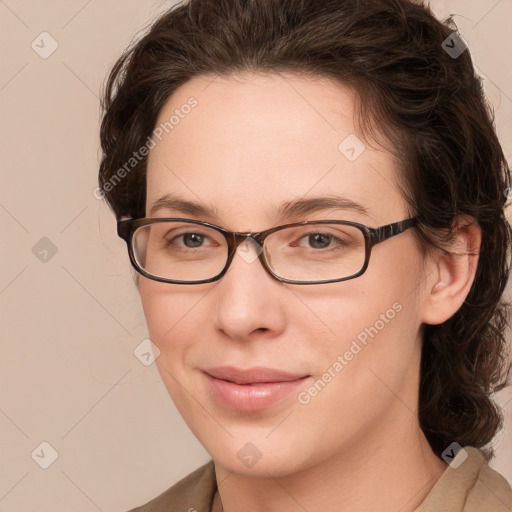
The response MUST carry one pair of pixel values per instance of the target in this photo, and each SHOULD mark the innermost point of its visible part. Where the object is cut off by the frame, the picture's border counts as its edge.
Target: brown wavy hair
(433, 112)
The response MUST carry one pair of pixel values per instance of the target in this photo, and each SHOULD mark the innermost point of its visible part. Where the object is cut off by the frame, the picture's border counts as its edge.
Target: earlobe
(454, 272)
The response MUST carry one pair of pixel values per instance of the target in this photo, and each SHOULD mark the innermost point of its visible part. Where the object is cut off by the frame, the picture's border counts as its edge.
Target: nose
(248, 299)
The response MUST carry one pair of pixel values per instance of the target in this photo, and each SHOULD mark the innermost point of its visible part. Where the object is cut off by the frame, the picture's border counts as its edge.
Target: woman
(313, 197)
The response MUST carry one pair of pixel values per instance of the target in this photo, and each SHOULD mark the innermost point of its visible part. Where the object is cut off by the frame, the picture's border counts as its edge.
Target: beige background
(68, 374)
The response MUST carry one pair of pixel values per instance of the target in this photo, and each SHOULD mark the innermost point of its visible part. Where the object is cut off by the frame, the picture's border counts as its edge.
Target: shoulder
(193, 493)
(469, 485)
(490, 491)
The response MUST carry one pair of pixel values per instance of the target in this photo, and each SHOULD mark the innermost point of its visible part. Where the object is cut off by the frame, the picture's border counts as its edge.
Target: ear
(452, 272)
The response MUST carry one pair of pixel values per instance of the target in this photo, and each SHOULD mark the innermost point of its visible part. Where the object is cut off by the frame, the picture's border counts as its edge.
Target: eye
(188, 240)
(319, 241)
(192, 239)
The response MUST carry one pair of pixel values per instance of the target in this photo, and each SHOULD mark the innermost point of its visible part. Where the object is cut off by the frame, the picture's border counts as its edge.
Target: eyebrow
(295, 208)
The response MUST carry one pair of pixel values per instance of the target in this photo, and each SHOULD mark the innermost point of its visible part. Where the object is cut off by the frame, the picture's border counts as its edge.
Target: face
(250, 145)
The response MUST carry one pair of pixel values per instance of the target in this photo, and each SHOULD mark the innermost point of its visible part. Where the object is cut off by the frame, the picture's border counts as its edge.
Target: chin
(253, 455)
(276, 465)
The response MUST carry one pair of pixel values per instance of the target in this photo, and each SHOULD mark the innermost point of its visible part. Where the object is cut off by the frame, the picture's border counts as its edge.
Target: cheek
(168, 313)
(369, 324)
(168, 317)
(165, 305)
(178, 322)
(370, 357)
(360, 310)
(352, 336)
(156, 310)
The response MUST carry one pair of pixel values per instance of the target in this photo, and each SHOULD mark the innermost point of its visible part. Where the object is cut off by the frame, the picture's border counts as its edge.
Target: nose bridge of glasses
(247, 246)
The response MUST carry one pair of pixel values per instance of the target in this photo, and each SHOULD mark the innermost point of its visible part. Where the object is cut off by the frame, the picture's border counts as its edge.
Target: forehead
(252, 141)
(251, 114)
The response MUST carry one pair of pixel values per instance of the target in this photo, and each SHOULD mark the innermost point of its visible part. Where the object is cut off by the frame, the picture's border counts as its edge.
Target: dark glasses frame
(373, 236)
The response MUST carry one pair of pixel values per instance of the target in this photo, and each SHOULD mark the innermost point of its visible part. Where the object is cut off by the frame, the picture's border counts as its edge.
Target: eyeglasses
(187, 251)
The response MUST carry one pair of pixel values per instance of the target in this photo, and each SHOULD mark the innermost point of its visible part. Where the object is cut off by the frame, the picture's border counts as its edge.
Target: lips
(253, 389)
(252, 375)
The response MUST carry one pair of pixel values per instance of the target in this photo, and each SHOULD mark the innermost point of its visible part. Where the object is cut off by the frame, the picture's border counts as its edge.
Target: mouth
(255, 375)
(253, 389)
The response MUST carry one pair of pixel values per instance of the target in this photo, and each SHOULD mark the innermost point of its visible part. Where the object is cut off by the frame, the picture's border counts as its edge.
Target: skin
(253, 143)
